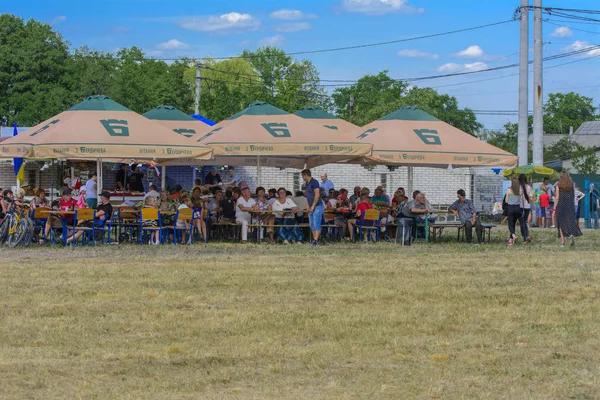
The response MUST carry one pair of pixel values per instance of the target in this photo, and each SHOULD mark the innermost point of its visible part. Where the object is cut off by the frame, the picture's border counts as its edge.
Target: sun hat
(243, 186)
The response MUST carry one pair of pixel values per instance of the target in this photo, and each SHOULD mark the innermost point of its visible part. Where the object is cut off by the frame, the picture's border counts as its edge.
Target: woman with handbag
(513, 209)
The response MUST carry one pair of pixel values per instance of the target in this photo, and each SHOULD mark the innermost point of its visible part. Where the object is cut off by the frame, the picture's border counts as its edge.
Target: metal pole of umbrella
(410, 182)
(257, 171)
(163, 178)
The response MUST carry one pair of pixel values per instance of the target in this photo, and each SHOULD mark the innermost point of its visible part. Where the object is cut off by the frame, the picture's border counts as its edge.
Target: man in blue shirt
(315, 205)
(233, 179)
(326, 185)
(465, 211)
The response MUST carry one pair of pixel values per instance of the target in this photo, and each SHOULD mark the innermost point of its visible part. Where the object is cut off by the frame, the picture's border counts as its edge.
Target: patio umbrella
(329, 121)
(411, 137)
(534, 173)
(176, 120)
(270, 136)
(100, 128)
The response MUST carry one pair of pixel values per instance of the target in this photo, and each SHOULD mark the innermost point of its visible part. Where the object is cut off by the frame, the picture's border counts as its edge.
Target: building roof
(589, 128)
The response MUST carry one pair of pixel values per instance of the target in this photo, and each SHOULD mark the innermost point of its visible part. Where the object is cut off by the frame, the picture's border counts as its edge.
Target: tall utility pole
(522, 140)
(197, 102)
(538, 116)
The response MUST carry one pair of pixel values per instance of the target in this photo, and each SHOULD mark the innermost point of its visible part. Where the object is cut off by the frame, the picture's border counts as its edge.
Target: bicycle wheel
(4, 229)
(19, 234)
(29, 231)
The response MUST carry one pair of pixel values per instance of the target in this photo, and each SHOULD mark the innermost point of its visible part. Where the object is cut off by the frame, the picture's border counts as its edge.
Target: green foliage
(33, 64)
(562, 111)
(585, 160)
(378, 95)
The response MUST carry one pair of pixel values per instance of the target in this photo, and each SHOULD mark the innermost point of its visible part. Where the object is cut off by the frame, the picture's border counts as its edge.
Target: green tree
(227, 86)
(507, 139)
(378, 95)
(562, 111)
(284, 82)
(585, 160)
(33, 62)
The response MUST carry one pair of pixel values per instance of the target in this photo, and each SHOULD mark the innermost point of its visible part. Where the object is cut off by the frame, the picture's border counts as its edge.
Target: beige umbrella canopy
(267, 131)
(329, 121)
(410, 136)
(101, 128)
(176, 120)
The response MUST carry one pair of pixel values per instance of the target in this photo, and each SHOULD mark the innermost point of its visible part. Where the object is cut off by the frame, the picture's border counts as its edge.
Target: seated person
(382, 202)
(214, 206)
(66, 203)
(199, 220)
(151, 202)
(153, 191)
(227, 206)
(104, 213)
(40, 200)
(186, 202)
(285, 233)
(465, 211)
(416, 210)
(360, 209)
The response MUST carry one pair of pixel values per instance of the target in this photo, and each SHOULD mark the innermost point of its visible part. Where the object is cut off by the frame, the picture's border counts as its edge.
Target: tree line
(40, 76)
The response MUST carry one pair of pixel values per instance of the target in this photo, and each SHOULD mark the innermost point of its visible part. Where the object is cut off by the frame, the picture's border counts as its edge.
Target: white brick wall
(439, 185)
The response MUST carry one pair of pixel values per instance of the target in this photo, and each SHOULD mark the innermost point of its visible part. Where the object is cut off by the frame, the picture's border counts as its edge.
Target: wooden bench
(436, 229)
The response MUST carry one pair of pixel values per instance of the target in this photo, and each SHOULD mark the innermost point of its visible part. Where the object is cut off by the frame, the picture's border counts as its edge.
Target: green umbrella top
(167, 113)
(534, 173)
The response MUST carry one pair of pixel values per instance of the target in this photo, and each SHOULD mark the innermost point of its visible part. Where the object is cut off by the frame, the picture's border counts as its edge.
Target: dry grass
(368, 321)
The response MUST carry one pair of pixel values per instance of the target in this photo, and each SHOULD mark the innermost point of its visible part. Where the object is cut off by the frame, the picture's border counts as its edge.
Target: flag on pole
(18, 163)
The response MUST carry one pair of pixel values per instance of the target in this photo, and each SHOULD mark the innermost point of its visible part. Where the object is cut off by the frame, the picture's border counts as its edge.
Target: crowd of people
(281, 214)
(552, 206)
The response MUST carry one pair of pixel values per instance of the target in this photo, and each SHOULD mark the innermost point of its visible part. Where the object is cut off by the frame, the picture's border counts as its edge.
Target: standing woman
(526, 199)
(565, 217)
(513, 209)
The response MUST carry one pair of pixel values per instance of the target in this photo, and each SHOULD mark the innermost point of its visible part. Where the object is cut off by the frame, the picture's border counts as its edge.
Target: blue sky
(221, 28)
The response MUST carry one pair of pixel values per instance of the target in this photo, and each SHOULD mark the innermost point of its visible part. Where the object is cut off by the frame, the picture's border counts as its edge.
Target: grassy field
(444, 321)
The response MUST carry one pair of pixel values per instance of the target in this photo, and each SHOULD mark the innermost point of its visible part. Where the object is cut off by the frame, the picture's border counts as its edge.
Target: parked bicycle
(16, 228)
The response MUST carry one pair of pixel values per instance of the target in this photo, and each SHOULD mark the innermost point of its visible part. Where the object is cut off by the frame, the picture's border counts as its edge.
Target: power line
(361, 46)
(575, 29)
(342, 83)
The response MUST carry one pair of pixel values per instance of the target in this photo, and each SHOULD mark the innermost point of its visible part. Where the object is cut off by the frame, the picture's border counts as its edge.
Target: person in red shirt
(361, 207)
(66, 203)
(545, 206)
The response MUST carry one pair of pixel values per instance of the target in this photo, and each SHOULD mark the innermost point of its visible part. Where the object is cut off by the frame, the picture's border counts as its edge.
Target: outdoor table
(427, 215)
(261, 221)
(62, 215)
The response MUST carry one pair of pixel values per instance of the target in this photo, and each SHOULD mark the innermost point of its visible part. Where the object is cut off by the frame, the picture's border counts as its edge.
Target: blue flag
(19, 164)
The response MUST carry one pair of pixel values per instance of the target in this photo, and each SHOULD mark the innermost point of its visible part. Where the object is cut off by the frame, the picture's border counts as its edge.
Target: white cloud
(291, 15)
(582, 45)
(293, 27)
(413, 53)
(227, 23)
(173, 44)
(562, 32)
(271, 41)
(58, 20)
(380, 7)
(471, 52)
(453, 67)
(476, 66)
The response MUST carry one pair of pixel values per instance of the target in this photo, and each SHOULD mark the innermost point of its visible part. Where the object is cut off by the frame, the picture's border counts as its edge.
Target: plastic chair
(334, 230)
(127, 220)
(369, 221)
(184, 215)
(150, 214)
(39, 216)
(83, 215)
